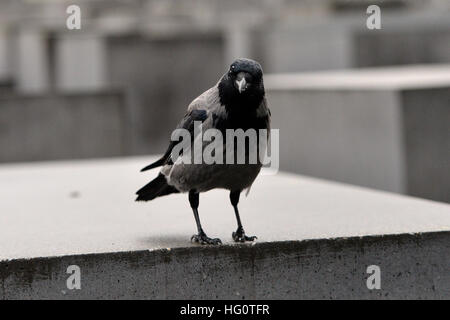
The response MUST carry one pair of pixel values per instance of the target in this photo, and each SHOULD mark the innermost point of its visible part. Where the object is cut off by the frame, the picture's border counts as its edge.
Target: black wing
(188, 124)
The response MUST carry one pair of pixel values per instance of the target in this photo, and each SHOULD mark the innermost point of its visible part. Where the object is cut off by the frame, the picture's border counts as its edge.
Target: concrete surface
(62, 126)
(58, 214)
(384, 128)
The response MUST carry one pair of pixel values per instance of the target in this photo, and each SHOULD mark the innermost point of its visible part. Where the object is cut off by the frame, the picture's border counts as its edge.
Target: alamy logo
(237, 147)
(73, 21)
(74, 280)
(374, 280)
(374, 20)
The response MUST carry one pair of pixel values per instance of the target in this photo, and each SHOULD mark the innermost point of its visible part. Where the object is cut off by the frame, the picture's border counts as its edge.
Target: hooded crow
(236, 102)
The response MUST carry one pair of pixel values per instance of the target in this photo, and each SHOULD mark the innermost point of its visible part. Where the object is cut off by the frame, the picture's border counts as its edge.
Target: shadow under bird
(237, 101)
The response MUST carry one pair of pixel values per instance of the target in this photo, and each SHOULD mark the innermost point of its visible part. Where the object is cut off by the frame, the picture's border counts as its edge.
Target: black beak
(242, 81)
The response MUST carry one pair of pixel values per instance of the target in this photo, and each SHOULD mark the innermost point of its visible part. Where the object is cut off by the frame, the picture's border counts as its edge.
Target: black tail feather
(155, 164)
(162, 161)
(156, 188)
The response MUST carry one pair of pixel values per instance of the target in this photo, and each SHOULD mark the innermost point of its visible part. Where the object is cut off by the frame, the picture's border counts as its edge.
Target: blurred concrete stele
(62, 126)
(341, 42)
(386, 128)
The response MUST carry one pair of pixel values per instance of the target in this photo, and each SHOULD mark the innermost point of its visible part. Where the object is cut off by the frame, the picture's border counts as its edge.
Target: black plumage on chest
(239, 120)
(240, 109)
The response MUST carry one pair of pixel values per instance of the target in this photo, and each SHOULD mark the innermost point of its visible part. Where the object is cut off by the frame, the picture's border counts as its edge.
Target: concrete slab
(384, 128)
(81, 207)
(82, 213)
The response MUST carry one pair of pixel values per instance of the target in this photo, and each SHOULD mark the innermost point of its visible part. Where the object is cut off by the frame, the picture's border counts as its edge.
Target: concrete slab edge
(412, 266)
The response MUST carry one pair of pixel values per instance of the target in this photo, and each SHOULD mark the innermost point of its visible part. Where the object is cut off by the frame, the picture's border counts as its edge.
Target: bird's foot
(239, 236)
(202, 238)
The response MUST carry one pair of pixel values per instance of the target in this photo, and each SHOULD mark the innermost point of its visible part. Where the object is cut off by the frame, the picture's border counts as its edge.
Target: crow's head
(245, 74)
(242, 82)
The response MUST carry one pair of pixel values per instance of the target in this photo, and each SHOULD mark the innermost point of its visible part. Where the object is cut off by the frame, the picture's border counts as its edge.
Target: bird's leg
(239, 235)
(201, 236)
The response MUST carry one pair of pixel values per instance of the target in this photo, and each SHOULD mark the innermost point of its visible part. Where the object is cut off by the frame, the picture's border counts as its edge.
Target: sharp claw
(203, 239)
(239, 236)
